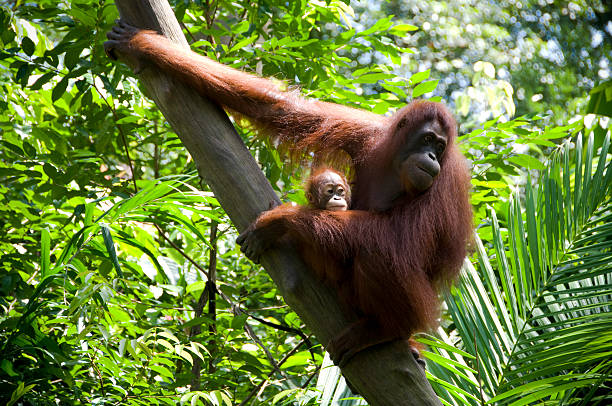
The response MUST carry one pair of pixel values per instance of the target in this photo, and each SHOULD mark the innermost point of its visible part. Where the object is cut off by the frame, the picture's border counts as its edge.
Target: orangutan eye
(440, 147)
(427, 139)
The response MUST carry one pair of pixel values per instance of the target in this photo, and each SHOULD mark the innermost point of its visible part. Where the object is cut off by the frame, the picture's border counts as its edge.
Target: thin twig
(288, 330)
(98, 374)
(121, 133)
(233, 37)
(280, 363)
(316, 371)
(208, 295)
(210, 19)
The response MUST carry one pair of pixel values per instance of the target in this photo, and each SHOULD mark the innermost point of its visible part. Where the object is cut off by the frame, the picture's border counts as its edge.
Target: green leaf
(110, 248)
(59, 89)
(85, 16)
(600, 100)
(372, 77)
(241, 27)
(382, 24)
(162, 370)
(491, 184)
(244, 42)
(526, 161)
(401, 29)
(23, 74)
(28, 46)
(424, 87)
(50, 171)
(29, 150)
(419, 77)
(72, 56)
(197, 286)
(282, 394)
(19, 392)
(238, 321)
(45, 255)
(7, 367)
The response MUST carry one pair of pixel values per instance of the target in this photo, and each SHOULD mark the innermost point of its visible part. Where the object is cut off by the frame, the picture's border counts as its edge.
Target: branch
(383, 375)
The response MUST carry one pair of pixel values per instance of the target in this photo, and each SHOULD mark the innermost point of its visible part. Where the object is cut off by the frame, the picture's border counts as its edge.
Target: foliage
(532, 313)
(600, 101)
(551, 53)
(115, 284)
(119, 276)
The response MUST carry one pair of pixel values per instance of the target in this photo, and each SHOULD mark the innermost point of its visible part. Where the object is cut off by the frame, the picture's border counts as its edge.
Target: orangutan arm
(301, 124)
(323, 231)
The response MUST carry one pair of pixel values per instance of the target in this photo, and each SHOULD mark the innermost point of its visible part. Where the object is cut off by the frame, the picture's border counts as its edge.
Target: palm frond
(535, 307)
(332, 387)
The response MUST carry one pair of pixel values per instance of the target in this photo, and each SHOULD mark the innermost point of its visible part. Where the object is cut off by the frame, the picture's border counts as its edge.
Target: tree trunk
(383, 375)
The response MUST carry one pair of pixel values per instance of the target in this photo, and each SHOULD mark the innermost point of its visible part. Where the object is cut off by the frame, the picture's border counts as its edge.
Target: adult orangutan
(406, 232)
(328, 189)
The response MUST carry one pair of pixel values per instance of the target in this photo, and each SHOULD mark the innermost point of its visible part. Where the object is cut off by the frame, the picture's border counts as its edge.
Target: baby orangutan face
(328, 190)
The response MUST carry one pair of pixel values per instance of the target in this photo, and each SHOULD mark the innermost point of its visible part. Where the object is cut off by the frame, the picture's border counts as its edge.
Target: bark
(384, 375)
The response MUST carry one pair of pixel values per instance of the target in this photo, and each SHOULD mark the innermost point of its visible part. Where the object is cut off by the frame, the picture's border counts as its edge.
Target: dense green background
(108, 238)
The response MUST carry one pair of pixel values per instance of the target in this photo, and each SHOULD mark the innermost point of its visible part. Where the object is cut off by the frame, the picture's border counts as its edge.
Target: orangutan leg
(361, 335)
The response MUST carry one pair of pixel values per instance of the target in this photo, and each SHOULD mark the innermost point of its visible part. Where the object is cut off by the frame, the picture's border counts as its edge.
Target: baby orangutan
(327, 189)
